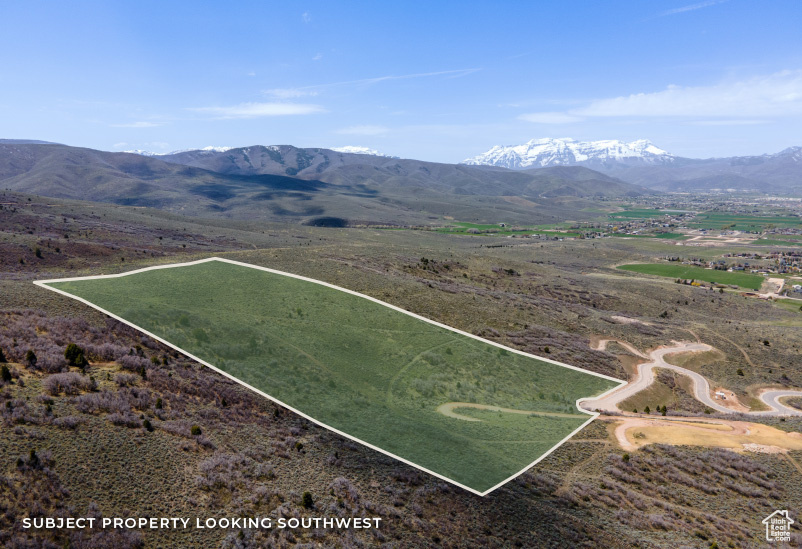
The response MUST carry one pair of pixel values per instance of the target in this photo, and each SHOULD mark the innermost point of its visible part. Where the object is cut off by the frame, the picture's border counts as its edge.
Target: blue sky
(436, 81)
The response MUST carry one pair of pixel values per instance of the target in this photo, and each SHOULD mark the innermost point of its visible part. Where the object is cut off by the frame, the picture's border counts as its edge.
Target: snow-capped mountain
(151, 153)
(540, 153)
(361, 150)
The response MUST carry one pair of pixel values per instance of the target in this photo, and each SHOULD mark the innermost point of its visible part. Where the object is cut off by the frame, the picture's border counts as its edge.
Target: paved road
(701, 388)
(771, 399)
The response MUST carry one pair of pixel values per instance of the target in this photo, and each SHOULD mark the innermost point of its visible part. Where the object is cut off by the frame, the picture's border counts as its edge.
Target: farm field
(638, 213)
(664, 236)
(685, 272)
(774, 242)
(358, 366)
(485, 229)
(737, 222)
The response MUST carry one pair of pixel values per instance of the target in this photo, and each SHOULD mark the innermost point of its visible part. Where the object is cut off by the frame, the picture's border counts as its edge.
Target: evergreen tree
(30, 358)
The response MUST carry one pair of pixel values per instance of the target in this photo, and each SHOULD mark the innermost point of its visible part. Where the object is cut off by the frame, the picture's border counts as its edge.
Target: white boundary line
(594, 415)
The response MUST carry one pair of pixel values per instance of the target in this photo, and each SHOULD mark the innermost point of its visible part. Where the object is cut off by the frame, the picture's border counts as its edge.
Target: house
(721, 396)
(778, 526)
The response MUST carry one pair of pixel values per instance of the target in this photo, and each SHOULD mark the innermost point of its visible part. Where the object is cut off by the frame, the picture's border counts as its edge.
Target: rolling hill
(300, 185)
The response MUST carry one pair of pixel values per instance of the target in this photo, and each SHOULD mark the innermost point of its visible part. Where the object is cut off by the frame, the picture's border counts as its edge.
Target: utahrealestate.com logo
(778, 526)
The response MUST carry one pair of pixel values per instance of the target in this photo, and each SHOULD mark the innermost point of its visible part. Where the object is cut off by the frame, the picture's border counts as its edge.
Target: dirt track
(447, 409)
(632, 433)
(644, 377)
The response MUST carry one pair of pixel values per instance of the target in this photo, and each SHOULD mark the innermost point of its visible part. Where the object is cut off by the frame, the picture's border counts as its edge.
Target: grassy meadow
(686, 272)
(367, 370)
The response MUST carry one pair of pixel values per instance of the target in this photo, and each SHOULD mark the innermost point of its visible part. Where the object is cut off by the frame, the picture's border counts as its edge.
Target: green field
(508, 230)
(685, 272)
(372, 372)
(740, 222)
(666, 236)
(629, 215)
(778, 243)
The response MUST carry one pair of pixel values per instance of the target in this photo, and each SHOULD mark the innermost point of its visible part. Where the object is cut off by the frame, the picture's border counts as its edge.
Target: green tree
(307, 501)
(5, 373)
(75, 356)
(30, 358)
(195, 431)
(647, 410)
(2, 356)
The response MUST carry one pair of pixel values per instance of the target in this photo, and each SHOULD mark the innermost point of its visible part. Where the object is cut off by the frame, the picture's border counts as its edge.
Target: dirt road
(447, 409)
(644, 377)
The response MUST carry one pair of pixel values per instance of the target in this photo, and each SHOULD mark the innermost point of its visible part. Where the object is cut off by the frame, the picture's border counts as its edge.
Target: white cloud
(317, 57)
(290, 93)
(728, 122)
(363, 130)
(306, 17)
(549, 117)
(258, 110)
(753, 101)
(120, 145)
(140, 124)
(313, 90)
(778, 94)
(692, 7)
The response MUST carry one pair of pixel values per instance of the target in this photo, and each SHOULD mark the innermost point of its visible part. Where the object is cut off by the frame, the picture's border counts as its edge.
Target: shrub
(71, 383)
(127, 419)
(195, 431)
(2, 356)
(307, 501)
(75, 356)
(125, 380)
(147, 425)
(5, 373)
(67, 422)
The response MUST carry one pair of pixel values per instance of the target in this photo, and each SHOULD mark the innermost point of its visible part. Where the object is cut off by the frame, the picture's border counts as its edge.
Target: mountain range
(642, 163)
(290, 184)
(553, 180)
(541, 153)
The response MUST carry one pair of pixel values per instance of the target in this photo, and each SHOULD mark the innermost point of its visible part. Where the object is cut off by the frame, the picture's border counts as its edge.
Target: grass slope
(685, 272)
(358, 366)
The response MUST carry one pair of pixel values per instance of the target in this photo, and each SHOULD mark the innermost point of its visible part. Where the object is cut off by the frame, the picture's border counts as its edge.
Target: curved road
(701, 388)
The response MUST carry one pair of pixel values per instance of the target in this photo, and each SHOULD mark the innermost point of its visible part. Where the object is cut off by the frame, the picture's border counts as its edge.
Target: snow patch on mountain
(361, 150)
(209, 149)
(540, 153)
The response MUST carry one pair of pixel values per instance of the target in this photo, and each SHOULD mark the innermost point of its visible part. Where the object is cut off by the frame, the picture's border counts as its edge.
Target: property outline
(593, 415)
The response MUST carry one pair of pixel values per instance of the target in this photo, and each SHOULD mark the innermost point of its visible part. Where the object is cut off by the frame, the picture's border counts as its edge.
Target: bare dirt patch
(634, 433)
(730, 400)
(627, 320)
